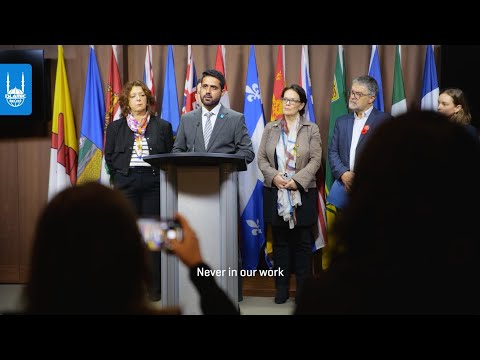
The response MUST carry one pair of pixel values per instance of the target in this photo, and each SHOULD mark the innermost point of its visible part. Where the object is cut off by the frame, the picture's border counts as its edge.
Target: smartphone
(157, 233)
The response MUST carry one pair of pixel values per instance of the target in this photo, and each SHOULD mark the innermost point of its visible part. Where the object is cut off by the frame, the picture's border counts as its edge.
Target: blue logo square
(15, 89)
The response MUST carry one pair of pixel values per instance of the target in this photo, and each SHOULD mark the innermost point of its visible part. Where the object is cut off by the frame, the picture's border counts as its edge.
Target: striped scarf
(287, 200)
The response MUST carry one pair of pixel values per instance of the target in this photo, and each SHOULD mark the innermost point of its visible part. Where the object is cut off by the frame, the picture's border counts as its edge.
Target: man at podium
(212, 127)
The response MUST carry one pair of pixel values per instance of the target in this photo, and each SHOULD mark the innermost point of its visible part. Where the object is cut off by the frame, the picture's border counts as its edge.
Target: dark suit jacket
(229, 135)
(472, 130)
(119, 142)
(339, 148)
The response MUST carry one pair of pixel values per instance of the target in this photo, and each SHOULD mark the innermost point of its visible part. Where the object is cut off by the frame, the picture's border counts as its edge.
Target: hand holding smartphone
(157, 234)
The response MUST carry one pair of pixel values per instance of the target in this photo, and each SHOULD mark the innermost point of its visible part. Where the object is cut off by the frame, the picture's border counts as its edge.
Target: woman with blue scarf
(289, 157)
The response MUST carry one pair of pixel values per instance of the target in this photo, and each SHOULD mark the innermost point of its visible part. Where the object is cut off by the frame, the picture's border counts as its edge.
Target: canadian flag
(220, 66)
(148, 73)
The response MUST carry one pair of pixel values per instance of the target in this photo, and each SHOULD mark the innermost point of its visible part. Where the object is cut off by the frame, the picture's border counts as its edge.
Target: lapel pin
(222, 116)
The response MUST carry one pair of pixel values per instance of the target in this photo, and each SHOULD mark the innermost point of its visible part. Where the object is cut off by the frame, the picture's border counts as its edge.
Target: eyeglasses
(356, 95)
(291, 101)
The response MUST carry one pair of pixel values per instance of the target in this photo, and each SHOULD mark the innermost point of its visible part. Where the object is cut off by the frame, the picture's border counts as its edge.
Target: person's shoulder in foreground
(407, 244)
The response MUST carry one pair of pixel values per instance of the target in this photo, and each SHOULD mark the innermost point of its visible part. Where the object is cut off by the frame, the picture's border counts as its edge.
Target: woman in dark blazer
(289, 157)
(136, 134)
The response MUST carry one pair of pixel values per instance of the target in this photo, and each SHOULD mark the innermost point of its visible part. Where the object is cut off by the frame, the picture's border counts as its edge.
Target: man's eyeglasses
(356, 95)
(291, 101)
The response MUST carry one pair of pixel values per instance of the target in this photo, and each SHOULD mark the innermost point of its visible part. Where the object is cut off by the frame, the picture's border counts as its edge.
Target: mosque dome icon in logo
(15, 97)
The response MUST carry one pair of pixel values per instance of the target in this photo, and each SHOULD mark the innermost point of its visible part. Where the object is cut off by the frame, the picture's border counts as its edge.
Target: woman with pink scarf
(138, 133)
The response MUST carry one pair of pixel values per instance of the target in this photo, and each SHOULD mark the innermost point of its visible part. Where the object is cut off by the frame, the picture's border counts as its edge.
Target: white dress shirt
(358, 124)
(213, 118)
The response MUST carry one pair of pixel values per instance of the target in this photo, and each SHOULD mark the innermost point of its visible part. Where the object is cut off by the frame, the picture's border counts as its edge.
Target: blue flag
(170, 108)
(374, 71)
(430, 90)
(251, 181)
(91, 134)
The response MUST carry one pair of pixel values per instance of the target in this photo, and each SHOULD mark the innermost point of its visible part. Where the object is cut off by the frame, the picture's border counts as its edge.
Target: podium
(204, 188)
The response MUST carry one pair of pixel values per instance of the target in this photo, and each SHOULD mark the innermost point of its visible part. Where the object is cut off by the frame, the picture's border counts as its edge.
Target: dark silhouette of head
(88, 256)
(408, 241)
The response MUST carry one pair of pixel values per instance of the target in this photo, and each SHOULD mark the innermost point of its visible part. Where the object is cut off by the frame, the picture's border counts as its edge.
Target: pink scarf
(138, 129)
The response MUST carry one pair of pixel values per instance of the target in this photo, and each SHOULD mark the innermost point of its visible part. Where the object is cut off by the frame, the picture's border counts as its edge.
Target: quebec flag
(251, 181)
(430, 88)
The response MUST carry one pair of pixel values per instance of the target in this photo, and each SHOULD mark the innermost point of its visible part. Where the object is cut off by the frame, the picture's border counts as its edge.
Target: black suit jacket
(119, 142)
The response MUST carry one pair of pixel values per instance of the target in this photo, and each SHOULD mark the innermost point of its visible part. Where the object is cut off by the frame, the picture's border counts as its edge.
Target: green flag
(338, 107)
(399, 103)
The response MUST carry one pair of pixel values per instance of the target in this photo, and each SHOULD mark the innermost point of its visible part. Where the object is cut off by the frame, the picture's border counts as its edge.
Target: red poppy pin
(365, 129)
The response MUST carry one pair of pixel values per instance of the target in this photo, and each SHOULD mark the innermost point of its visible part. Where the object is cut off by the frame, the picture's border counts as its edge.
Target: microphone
(195, 136)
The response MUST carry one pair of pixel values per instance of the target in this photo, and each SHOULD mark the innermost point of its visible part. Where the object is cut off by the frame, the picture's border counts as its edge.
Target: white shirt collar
(366, 113)
(215, 110)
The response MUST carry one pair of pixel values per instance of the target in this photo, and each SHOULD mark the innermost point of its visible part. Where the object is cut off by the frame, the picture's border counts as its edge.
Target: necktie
(208, 129)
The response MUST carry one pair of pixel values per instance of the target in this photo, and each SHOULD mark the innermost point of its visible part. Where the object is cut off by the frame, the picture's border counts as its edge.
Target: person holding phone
(88, 257)
(289, 157)
(138, 133)
(157, 234)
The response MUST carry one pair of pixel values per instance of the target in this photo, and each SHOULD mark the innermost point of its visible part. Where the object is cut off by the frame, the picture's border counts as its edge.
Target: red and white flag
(189, 102)
(220, 66)
(148, 73)
(64, 151)
(112, 106)
(306, 84)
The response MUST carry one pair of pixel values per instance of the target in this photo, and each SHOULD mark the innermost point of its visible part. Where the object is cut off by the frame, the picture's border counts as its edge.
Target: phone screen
(158, 233)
